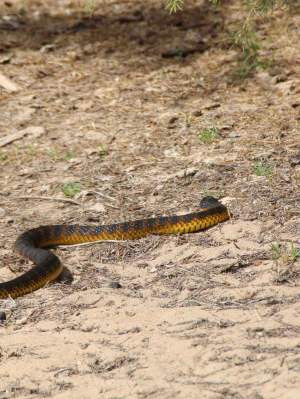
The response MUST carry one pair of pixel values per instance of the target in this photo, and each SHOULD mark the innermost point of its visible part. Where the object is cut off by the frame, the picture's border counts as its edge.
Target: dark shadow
(66, 276)
(149, 33)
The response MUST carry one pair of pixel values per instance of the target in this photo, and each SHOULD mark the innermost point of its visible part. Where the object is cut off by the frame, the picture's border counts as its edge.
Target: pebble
(2, 317)
(234, 135)
(114, 284)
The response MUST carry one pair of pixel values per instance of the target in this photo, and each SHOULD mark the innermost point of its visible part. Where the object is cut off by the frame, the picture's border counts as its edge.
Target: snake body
(32, 243)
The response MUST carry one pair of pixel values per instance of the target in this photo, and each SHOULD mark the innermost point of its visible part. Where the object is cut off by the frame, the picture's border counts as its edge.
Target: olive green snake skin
(32, 243)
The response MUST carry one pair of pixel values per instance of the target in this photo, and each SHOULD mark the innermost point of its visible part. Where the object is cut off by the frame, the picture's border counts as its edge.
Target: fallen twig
(35, 131)
(8, 84)
(37, 197)
(91, 243)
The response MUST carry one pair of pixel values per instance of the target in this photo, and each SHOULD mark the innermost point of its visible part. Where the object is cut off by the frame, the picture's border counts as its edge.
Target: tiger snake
(33, 244)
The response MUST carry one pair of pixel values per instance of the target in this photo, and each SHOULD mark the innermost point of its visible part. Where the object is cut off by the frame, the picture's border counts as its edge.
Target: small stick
(102, 195)
(37, 197)
(89, 243)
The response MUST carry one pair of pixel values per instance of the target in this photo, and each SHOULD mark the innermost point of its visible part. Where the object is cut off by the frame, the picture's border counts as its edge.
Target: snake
(34, 244)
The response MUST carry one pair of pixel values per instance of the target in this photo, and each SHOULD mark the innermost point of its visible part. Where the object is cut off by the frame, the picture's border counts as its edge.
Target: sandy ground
(108, 99)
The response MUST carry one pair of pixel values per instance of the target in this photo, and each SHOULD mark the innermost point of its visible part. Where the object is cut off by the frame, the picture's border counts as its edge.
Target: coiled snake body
(32, 243)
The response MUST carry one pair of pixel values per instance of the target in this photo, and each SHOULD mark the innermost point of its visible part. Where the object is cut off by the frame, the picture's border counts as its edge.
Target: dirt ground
(113, 99)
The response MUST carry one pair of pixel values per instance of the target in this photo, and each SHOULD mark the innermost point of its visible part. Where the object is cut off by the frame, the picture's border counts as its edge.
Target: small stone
(295, 104)
(47, 48)
(2, 317)
(264, 79)
(97, 207)
(172, 120)
(168, 119)
(294, 161)
(227, 200)
(234, 135)
(186, 172)
(115, 284)
(171, 152)
(198, 113)
(286, 88)
(21, 321)
(297, 171)
(85, 105)
(2, 212)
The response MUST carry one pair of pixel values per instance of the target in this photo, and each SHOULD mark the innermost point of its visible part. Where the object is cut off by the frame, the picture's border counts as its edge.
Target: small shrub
(71, 189)
(263, 168)
(208, 135)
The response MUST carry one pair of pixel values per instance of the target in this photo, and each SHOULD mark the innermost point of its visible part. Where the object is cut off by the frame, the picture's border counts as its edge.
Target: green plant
(246, 41)
(3, 156)
(174, 5)
(71, 189)
(294, 253)
(245, 38)
(285, 254)
(90, 7)
(53, 153)
(57, 155)
(262, 6)
(32, 150)
(276, 250)
(68, 156)
(102, 150)
(208, 135)
(253, 6)
(263, 168)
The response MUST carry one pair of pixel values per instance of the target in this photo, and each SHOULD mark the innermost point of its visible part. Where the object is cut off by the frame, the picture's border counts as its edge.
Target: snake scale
(32, 243)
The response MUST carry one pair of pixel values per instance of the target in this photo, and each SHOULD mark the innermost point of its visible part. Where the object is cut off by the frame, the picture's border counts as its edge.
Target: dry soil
(113, 101)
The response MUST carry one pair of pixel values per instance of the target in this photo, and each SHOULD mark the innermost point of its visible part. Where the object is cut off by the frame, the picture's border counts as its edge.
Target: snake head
(209, 202)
